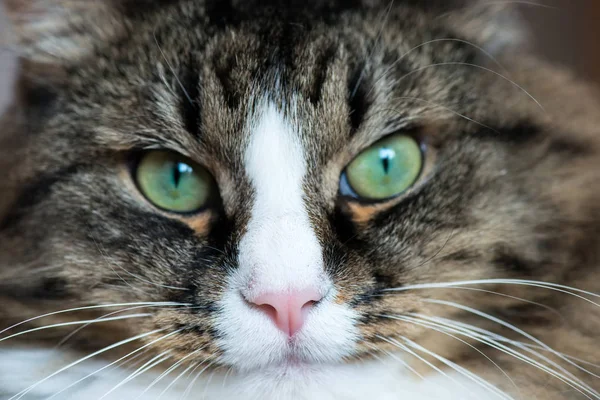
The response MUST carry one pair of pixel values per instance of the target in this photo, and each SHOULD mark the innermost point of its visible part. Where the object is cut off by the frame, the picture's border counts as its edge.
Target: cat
(239, 199)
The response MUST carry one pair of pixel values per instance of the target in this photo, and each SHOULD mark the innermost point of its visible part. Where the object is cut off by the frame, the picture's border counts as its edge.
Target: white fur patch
(383, 379)
(280, 252)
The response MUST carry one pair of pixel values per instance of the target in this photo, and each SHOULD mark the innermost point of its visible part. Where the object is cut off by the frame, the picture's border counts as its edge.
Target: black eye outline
(137, 156)
(346, 191)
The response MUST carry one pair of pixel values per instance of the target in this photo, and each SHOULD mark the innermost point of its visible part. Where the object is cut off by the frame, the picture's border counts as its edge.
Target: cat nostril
(287, 310)
(309, 304)
(268, 309)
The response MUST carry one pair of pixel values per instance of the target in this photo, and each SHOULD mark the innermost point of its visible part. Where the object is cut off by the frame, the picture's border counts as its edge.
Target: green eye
(386, 169)
(173, 183)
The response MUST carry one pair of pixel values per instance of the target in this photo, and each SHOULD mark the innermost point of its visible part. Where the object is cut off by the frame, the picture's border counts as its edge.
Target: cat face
(273, 182)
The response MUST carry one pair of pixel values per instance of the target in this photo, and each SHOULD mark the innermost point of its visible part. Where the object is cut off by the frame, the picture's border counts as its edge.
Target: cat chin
(377, 379)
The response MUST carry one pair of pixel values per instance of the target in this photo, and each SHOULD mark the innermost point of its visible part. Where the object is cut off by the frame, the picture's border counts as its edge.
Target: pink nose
(287, 310)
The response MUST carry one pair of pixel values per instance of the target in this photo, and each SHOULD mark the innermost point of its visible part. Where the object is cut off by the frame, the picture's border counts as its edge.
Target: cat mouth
(292, 366)
(296, 361)
(292, 362)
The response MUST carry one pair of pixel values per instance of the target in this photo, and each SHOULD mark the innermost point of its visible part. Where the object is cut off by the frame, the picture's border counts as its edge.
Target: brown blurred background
(568, 32)
(565, 31)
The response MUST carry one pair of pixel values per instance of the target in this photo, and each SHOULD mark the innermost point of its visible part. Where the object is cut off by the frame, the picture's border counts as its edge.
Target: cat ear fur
(60, 31)
(63, 31)
(497, 25)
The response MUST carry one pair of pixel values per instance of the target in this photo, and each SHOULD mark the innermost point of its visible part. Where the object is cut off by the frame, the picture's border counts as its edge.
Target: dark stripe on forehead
(190, 108)
(36, 192)
(224, 13)
(225, 65)
(319, 73)
(359, 86)
(220, 12)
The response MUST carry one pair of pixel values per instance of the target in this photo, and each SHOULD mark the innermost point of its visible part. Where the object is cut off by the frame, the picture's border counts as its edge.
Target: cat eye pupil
(386, 155)
(179, 170)
(384, 170)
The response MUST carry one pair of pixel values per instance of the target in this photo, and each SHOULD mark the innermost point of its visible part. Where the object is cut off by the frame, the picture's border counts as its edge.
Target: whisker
(85, 322)
(525, 346)
(399, 360)
(94, 354)
(503, 323)
(204, 393)
(489, 338)
(544, 285)
(522, 346)
(517, 2)
(153, 362)
(498, 346)
(227, 375)
(550, 309)
(163, 55)
(143, 356)
(166, 304)
(193, 382)
(591, 364)
(76, 331)
(174, 381)
(417, 322)
(409, 351)
(530, 349)
(526, 3)
(419, 69)
(475, 378)
(553, 285)
(406, 349)
(403, 56)
(114, 362)
(447, 109)
(169, 370)
(189, 386)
